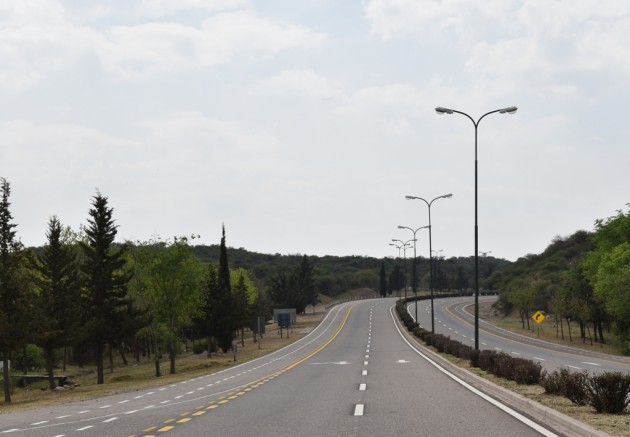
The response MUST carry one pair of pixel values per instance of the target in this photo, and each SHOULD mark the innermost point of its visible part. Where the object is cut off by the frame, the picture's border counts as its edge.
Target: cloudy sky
(302, 125)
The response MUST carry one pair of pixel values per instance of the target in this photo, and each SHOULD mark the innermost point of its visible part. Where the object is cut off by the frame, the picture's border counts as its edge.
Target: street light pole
(404, 246)
(509, 110)
(413, 270)
(445, 196)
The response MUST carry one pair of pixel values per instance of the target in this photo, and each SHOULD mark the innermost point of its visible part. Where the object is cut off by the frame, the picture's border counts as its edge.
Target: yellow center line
(233, 395)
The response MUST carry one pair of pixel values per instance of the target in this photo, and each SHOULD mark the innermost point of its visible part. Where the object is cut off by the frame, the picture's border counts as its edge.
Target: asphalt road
(453, 318)
(354, 375)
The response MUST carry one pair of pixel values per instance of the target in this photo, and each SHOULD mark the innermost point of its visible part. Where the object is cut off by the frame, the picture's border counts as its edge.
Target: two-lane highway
(452, 319)
(354, 375)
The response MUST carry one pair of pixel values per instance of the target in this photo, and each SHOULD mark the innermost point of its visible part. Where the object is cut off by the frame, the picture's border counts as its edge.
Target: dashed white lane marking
(178, 397)
(484, 344)
(150, 393)
(39, 423)
(358, 409)
(362, 387)
(162, 389)
(60, 435)
(364, 373)
(516, 353)
(539, 359)
(83, 412)
(592, 364)
(497, 348)
(190, 392)
(63, 417)
(574, 367)
(131, 412)
(10, 430)
(124, 402)
(367, 356)
(365, 363)
(111, 419)
(85, 427)
(138, 397)
(104, 406)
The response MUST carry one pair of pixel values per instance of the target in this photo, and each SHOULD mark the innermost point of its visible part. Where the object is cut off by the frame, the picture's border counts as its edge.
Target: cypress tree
(383, 281)
(218, 303)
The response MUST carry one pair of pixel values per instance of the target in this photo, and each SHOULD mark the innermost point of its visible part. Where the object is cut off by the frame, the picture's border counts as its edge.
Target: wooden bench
(25, 380)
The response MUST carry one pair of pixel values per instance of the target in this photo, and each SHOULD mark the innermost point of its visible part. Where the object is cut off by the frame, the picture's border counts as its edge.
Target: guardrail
(350, 299)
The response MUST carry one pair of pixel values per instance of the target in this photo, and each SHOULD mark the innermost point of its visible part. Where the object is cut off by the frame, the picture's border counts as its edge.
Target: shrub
(474, 358)
(556, 381)
(609, 392)
(31, 357)
(199, 346)
(576, 387)
(465, 352)
(428, 339)
(527, 371)
(487, 360)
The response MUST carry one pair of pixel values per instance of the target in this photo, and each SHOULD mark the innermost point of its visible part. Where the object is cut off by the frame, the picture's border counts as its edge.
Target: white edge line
(505, 408)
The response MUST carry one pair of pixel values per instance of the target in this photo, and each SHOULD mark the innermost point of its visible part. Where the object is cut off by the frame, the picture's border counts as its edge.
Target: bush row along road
(452, 318)
(354, 375)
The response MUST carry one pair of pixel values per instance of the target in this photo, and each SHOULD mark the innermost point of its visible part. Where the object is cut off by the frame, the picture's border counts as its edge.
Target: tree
(108, 306)
(217, 302)
(305, 282)
(143, 293)
(176, 277)
(59, 285)
(612, 284)
(16, 303)
(383, 280)
(241, 306)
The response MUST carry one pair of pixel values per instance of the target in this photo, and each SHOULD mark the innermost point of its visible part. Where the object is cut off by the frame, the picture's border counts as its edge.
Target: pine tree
(16, 303)
(59, 287)
(108, 304)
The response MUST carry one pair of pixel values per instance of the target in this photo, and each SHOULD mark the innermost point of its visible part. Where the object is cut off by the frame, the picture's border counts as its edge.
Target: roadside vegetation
(581, 283)
(599, 400)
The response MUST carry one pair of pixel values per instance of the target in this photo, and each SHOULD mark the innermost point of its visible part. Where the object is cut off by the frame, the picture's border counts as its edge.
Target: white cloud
(395, 106)
(303, 83)
(31, 50)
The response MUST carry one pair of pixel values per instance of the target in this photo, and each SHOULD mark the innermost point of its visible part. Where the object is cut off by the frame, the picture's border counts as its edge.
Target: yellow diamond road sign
(538, 317)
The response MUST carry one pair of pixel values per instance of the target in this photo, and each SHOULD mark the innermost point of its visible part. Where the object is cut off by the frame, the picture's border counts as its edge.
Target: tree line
(85, 292)
(581, 280)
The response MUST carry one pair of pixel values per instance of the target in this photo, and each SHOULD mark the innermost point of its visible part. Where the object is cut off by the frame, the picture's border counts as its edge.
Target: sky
(302, 125)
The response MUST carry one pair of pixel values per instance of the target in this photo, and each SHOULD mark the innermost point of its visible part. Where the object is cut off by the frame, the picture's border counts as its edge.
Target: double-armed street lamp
(404, 245)
(413, 269)
(509, 110)
(444, 196)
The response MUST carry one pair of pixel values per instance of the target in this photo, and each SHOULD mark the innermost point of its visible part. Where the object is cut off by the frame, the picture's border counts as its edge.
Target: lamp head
(509, 110)
(411, 197)
(447, 196)
(440, 110)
